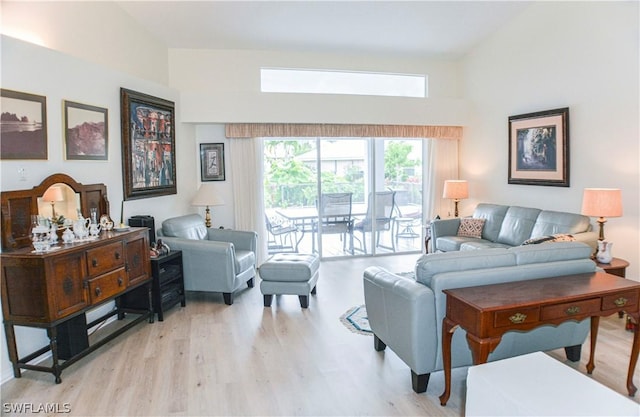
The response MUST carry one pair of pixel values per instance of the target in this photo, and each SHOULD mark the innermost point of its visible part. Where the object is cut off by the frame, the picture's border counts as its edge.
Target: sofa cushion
(561, 251)
(517, 225)
(435, 263)
(482, 244)
(190, 226)
(554, 222)
(245, 259)
(494, 216)
(470, 227)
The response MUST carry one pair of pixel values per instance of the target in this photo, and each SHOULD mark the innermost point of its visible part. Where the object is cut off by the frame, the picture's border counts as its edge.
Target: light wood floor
(244, 359)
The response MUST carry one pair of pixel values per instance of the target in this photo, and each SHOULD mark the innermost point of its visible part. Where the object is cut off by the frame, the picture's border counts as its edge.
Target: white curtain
(248, 191)
(442, 159)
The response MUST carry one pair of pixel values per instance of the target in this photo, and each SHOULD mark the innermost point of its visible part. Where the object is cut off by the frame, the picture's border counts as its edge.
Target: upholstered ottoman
(289, 273)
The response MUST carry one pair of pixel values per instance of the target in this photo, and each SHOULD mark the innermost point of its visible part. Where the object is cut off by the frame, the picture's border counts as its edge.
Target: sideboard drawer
(516, 316)
(566, 310)
(107, 285)
(105, 258)
(620, 301)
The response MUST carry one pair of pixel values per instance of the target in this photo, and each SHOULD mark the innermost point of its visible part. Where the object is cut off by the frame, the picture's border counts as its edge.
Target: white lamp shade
(53, 194)
(207, 196)
(602, 202)
(456, 189)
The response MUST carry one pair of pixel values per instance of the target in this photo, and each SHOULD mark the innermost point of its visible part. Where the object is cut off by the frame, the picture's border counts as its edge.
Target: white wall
(99, 32)
(68, 78)
(224, 86)
(581, 55)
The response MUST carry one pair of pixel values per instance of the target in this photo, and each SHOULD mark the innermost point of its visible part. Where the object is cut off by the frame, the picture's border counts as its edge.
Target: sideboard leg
(595, 321)
(11, 347)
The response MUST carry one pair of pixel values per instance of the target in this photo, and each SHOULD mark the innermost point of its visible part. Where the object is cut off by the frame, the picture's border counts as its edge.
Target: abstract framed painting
(86, 131)
(539, 148)
(212, 162)
(23, 124)
(148, 145)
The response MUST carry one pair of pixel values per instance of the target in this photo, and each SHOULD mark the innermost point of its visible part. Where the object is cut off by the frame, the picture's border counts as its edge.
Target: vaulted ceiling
(431, 29)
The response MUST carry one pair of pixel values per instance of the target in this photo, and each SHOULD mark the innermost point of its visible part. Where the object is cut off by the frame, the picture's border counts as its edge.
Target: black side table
(167, 282)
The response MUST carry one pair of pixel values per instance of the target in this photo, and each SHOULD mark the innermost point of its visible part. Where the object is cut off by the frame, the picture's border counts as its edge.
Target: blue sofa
(406, 313)
(508, 226)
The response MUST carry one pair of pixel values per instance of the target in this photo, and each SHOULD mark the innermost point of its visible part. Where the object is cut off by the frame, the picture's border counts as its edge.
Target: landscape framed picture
(148, 145)
(212, 162)
(23, 125)
(86, 135)
(539, 148)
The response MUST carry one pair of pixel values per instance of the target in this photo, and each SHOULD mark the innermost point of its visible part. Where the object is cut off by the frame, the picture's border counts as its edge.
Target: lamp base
(207, 218)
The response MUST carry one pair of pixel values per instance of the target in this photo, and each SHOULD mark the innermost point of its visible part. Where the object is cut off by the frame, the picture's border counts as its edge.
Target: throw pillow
(470, 227)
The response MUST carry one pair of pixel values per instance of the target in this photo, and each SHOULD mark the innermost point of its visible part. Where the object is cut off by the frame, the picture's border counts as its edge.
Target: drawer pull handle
(117, 255)
(98, 291)
(94, 262)
(573, 310)
(120, 281)
(518, 318)
(620, 302)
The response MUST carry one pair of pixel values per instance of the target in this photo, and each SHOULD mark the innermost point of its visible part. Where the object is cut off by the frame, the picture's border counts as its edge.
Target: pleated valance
(270, 130)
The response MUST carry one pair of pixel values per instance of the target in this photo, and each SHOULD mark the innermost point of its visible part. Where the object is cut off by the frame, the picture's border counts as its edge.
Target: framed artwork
(212, 162)
(86, 134)
(23, 125)
(148, 145)
(539, 148)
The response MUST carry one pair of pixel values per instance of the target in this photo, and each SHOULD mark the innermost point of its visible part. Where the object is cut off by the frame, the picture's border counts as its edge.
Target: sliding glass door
(343, 196)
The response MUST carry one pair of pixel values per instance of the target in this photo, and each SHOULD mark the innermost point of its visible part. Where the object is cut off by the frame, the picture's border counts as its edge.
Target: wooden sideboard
(54, 290)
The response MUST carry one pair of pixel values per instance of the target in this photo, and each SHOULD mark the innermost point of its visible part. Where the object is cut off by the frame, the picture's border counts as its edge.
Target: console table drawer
(618, 301)
(107, 285)
(516, 316)
(566, 310)
(105, 258)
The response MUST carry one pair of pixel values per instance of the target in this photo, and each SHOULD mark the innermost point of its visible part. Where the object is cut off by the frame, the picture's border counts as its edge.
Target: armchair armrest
(443, 227)
(204, 259)
(242, 240)
(401, 313)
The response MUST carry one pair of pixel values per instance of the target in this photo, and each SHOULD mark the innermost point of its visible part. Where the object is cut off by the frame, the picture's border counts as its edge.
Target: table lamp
(456, 190)
(52, 195)
(601, 203)
(207, 197)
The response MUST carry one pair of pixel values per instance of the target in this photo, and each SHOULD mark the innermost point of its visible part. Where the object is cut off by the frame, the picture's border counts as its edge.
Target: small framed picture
(86, 133)
(539, 148)
(212, 162)
(23, 125)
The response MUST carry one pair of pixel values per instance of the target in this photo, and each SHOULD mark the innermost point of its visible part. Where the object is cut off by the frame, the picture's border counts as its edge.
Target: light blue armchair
(214, 260)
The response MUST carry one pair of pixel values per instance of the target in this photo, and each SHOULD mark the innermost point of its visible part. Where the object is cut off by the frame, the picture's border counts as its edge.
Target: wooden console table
(54, 290)
(489, 311)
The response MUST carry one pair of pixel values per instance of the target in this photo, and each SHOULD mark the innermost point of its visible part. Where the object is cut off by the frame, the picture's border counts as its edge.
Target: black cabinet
(168, 282)
(167, 285)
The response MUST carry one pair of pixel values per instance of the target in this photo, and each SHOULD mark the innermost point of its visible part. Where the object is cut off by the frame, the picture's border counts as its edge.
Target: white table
(538, 385)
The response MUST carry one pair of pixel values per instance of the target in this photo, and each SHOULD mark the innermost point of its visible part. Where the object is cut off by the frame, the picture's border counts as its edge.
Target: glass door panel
(343, 166)
(403, 168)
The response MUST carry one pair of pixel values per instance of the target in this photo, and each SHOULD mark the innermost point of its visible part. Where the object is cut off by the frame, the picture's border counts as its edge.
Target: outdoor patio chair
(335, 215)
(383, 221)
(283, 236)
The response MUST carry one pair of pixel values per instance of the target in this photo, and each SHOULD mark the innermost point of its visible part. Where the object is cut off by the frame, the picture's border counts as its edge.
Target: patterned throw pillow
(471, 227)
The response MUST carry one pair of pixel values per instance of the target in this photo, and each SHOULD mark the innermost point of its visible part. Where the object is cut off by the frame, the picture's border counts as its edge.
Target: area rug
(356, 320)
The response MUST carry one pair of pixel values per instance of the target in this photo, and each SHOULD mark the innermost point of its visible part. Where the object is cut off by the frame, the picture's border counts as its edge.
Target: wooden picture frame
(212, 162)
(23, 124)
(86, 131)
(539, 148)
(148, 145)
